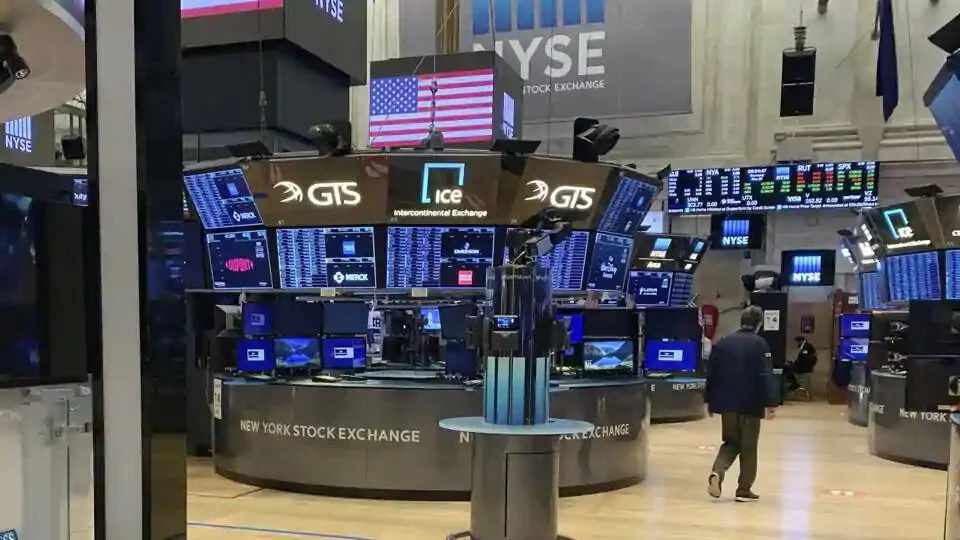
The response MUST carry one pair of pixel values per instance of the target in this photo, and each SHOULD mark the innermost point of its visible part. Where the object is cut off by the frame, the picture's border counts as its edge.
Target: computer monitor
(855, 325)
(257, 319)
(608, 265)
(853, 349)
(297, 318)
(453, 320)
(671, 355)
(255, 355)
(439, 257)
(239, 260)
(431, 318)
(459, 360)
(650, 288)
(344, 353)
(574, 324)
(297, 352)
(608, 355)
(344, 318)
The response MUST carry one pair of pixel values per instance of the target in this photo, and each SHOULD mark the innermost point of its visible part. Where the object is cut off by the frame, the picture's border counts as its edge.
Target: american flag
(401, 108)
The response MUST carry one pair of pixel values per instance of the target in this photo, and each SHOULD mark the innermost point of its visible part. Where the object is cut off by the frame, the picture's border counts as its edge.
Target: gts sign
(569, 197)
(322, 194)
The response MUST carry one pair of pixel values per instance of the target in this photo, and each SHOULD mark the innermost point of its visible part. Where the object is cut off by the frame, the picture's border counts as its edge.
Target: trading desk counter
(914, 438)
(858, 394)
(381, 438)
(677, 399)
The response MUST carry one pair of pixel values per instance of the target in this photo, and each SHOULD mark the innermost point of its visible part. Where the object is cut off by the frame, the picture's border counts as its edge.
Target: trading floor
(817, 481)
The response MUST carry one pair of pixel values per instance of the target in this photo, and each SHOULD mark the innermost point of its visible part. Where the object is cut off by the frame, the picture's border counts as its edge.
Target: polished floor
(817, 481)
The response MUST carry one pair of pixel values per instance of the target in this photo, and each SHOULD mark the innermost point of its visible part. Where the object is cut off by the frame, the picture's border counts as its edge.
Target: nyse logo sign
(18, 135)
(569, 197)
(322, 194)
(333, 8)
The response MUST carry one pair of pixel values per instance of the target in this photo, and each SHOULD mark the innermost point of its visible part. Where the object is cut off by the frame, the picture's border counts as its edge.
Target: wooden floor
(817, 481)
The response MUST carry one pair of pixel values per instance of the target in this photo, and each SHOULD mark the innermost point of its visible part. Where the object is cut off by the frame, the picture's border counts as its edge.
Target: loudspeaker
(72, 148)
(797, 80)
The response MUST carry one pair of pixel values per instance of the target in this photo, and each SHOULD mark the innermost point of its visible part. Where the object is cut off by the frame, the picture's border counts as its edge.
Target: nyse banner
(29, 141)
(577, 57)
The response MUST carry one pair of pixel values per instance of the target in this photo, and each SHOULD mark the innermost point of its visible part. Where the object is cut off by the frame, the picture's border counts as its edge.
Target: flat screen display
(255, 355)
(670, 355)
(627, 207)
(257, 319)
(854, 349)
(608, 266)
(608, 355)
(439, 257)
(431, 318)
(871, 297)
(953, 273)
(803, 186)
(567, 262)
(341, 257)
(737, 232)
(20, 338)
(913, 276)
(682, 292)
(808, 268)
(344, 353)
(239, 260)
(223, 199)
(297, 352)
(948, 214)
(650, 288)
(341, 318)
(855, 325)
(942, 98)
(296, 318)
(574, 324)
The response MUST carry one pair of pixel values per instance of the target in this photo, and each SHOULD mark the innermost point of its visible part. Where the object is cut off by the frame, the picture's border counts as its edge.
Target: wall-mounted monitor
(223, 199)
(913, 276)
(608, 266)
(439, 257)
(239, 260)
(805, 186)
(808, 267)
(737, 231)
(321, 257)
(671, 355)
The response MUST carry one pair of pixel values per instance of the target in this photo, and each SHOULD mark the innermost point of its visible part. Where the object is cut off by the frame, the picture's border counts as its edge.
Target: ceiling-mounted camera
(12, 66)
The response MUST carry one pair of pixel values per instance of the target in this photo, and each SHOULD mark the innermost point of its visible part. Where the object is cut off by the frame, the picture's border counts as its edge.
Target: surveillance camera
(10, 58)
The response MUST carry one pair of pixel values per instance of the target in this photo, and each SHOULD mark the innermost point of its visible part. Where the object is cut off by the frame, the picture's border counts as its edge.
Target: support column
(135, 155)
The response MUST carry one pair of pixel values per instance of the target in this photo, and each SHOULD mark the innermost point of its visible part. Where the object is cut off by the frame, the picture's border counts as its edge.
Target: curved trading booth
(677, 399)
(308, 394)
(912, 437)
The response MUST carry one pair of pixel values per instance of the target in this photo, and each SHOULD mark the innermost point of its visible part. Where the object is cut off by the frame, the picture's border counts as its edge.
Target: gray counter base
(676, 400)
(858, 395)
(912, 438)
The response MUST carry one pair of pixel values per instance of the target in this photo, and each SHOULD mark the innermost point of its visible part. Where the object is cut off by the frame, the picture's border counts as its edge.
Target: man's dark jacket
(739, 375)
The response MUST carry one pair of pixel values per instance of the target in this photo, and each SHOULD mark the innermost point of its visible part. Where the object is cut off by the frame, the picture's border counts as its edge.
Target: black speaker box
(797, 80)
(72, 148)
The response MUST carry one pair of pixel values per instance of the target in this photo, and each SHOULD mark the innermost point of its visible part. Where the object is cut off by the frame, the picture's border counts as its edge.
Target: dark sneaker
(714, 485)
(747, 496)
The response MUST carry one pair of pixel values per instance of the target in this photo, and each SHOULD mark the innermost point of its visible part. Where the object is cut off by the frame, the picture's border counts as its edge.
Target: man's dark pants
(741, 435)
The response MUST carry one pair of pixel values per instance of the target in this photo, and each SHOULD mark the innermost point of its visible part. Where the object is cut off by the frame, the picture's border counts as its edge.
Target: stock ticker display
(567, 262)
(953, 274)
(682, 291)
(239, 260)
(327, 257)
(223, 199)
(608, 266)
(913, 276)
(774, 187)
(624, 213)
(439, 257)
(870, 293)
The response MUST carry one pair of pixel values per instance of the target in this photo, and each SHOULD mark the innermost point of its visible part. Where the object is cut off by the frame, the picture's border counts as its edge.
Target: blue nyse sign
(18, 136)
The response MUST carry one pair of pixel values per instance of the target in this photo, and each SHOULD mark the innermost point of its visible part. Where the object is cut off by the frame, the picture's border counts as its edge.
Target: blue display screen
(669, 355)
(625, 211)
(854, 349)
(257, 319)
(855, 325)
(81, 192)
(431, 318)
(567, 262)
(223, 199)
(439, 257)
(344, 353)
(607, 355)
(913, 276)
(255, 355)
(870, 297)
(953, 274)
(297, 352)
(574, 324)
(608, 266)
(327, 257)
(650, 288)
(239, 260)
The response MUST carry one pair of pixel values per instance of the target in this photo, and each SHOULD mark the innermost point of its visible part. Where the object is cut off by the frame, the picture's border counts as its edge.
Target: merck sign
(333, 8)
(18, 135)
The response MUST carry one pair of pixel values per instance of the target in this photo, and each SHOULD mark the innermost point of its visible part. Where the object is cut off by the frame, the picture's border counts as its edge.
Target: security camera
(12, 66)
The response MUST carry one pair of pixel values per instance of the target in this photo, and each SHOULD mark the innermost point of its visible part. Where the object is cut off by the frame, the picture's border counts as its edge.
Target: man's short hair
(751, 317)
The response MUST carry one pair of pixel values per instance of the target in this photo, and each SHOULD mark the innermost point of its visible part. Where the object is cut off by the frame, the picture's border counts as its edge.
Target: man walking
(738, 389)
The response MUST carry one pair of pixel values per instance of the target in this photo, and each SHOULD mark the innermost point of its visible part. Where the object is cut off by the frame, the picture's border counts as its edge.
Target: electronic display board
(953, 273)
(913, 276)
(948, 214)
(737, 232)
(682, 292)
(650, 288)
(907, 227)
(808, 268)
(608, 266)
(871, 292)
(319, 257)
(223, 199)
(774, 187)
(629, 204)
(239, 260)
(439, 257)
(567, 262)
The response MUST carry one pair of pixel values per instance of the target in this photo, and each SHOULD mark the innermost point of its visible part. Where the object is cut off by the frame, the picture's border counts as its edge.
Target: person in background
(738, 389)
(803, 362)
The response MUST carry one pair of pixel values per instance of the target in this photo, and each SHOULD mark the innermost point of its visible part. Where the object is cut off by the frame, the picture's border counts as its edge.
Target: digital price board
(871, 297)
(627, 207)
(239, 260)
(774, 187)
(311, 258)
(913, 276)
(439, 257)
(567, 262)
(223, 199)
(953, 273)
(682, 292)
